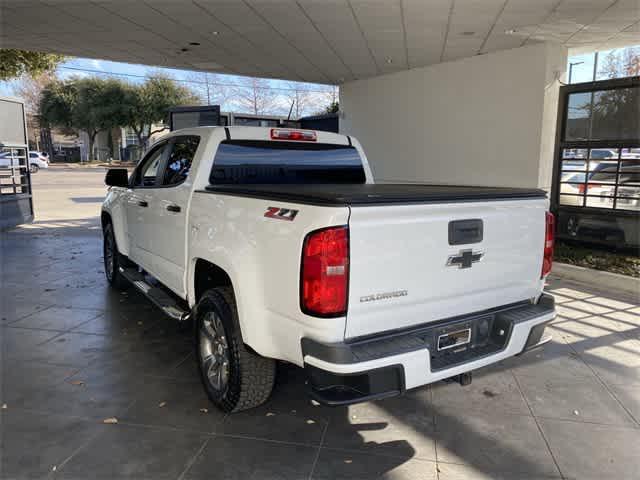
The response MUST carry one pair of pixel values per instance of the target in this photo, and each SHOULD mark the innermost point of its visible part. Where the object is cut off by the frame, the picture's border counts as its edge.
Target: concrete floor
(75, 352)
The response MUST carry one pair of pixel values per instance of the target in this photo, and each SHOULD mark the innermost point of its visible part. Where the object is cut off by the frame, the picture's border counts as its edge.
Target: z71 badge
(281, 213)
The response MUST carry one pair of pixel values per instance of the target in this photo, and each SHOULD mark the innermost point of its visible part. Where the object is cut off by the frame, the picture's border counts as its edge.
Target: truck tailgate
(405, 272)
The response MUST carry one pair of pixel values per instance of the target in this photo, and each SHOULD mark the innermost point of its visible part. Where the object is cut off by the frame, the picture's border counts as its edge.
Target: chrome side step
(158, 297)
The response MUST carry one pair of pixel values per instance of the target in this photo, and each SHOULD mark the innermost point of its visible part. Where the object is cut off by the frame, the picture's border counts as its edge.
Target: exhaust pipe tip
(463, 379)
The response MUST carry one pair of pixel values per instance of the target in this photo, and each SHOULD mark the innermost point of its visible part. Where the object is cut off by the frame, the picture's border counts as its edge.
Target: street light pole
(571, 69)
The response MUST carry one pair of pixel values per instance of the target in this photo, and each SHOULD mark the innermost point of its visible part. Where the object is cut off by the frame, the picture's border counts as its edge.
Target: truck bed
(374, 194)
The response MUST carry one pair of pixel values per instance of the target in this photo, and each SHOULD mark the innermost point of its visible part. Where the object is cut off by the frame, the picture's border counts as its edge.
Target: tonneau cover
(375, 194)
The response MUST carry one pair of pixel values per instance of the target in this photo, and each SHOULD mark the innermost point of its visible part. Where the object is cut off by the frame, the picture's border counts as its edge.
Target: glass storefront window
(600, 202)
(630, 153)
(604, 115)
(571, 200)
(578, 116)
(610, 178)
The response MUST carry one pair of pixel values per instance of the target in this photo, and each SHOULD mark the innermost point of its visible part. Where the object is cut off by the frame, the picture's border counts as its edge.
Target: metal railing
(14, 171)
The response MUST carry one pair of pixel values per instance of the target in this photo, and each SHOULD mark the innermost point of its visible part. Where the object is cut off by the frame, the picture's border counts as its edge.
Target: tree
(300, 98)
(149, 102)
(328, 98)
(625, 63)
(333, 108)
(331, 95)
(255, 96)
(94, 104)
(29, 88)
(101, 105)
(615, 113)
(209, 88)
(14, 63)
(88, 104)
(631, 62)
(57, 103)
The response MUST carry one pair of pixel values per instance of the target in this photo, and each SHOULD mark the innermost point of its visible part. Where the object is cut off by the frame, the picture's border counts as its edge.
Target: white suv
(37, 161)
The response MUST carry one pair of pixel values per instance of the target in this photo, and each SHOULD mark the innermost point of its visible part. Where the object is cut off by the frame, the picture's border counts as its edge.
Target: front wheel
(112, 259)
(34, 168)
(234, 377)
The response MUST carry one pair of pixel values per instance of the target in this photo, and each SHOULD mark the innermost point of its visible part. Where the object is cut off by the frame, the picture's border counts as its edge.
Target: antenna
(291, 109)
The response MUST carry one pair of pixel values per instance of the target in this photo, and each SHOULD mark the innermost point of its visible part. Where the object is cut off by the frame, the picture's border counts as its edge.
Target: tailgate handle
(463, 232)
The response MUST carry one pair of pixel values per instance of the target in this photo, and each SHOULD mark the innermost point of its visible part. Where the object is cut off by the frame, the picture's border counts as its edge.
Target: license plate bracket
(454, 339)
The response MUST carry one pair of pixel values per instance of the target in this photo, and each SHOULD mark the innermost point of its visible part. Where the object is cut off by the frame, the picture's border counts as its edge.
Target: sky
(582, 70)
(85, 67)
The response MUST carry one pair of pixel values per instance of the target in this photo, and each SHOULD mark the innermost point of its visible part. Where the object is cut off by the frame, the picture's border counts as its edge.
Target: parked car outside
(601, 184)
(602, 153)
(37, 161)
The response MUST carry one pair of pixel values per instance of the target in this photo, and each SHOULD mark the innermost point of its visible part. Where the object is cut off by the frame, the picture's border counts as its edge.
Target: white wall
(556, 62)
(484, 120)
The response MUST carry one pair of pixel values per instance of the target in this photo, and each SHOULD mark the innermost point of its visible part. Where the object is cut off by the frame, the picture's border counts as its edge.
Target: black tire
(111, 258)
(249, 376)
(34, 168)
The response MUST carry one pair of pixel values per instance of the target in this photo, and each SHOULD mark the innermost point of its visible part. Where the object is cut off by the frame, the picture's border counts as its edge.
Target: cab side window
(147, 174)
(180, 159)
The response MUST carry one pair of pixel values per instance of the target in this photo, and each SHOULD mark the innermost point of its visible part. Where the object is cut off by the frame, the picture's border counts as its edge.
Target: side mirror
(117, 177)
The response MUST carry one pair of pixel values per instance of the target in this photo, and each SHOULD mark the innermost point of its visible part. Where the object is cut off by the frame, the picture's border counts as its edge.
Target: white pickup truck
(278, 245)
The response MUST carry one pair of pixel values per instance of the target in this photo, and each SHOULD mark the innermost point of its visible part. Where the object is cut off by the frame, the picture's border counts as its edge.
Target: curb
(601, 278)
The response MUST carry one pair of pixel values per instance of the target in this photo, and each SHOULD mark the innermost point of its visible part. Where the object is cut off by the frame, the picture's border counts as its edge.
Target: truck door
(168, 222)
(141, 198)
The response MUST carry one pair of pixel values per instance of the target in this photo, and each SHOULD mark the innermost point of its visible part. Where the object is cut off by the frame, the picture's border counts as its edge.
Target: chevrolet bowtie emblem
(465, 259)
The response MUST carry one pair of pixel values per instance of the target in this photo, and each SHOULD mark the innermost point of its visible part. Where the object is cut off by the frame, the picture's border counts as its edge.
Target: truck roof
(240, 132)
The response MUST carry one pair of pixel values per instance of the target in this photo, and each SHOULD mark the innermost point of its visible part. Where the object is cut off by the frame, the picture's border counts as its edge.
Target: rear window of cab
(269, 162)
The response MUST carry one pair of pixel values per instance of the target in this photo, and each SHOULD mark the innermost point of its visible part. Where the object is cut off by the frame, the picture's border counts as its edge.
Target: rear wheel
(34, 168)
(112, 259)
(234, 377)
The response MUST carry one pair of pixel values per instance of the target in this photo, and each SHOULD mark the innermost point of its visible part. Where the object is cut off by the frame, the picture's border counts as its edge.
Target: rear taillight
(324, 275)
(297, 135)
(549, 234)
(582, 187)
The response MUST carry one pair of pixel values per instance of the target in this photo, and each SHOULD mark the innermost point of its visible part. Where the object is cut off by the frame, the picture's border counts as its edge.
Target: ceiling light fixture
(389, 60)
(215, 32)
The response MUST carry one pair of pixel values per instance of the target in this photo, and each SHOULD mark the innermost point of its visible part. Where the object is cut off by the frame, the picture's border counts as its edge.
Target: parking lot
(76, 353)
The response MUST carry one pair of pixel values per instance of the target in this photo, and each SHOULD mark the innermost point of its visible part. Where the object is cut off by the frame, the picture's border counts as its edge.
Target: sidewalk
(113, 164)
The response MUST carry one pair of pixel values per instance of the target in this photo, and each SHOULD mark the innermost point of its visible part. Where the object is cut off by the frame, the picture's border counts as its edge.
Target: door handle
(143, 203)
(174, 208)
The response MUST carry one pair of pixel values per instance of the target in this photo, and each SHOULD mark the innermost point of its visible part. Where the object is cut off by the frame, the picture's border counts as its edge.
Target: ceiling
(324, 41)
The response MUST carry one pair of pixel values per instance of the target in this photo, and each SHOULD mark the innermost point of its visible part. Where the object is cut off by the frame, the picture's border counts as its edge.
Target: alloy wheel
(109, 254)
(214, 352)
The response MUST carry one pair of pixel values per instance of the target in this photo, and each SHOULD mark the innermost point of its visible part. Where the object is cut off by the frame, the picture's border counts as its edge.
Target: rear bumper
(388, 364)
